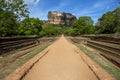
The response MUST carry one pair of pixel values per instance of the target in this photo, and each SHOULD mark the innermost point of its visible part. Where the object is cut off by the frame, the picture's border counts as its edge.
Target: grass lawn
(107, 65)
(5, 71)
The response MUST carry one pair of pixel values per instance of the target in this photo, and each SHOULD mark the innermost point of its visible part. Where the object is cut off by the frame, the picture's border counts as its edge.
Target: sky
(93, 8)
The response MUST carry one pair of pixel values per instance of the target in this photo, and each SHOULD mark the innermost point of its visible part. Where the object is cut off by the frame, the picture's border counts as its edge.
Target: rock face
(60, 18)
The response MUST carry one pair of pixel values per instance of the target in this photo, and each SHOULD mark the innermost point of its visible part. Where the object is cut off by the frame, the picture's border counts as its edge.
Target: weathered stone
(60, 18)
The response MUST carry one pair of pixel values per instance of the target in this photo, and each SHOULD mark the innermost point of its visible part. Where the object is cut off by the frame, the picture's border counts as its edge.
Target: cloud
(96, 10)
(29, 2)
(42, 14)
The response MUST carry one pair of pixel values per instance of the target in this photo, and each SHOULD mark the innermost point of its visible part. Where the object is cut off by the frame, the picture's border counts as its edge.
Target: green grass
(106, 44)
(99, 42)
(108, 66)
(104, 50)
(7, 70)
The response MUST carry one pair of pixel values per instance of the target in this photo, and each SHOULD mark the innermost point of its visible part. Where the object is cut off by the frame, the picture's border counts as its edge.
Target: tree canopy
(18, 7)
(110, 22)
(11, 11)
(30, 26)
(84, 25)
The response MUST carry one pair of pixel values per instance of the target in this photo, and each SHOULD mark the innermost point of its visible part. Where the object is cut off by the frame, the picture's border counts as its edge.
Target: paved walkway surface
(61, 62)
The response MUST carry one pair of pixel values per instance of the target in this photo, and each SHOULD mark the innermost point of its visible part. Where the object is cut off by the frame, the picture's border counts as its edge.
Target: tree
(30, 26)
(18, 7)
(11, 11)
(51, 30)
(8, 23)
(116, 13)
(109, 22)
(84, 25)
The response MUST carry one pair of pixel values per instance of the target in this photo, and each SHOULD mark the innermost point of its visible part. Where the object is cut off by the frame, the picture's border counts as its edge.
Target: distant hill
(55, 17)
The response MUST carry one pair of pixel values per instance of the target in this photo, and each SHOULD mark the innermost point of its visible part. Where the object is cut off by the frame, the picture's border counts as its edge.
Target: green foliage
(18, 7)
(116, 13)
(8, 23)
(107, 23)
(30, 26)
(51, 30)
(110, 22)
(10, 13)
(84, 25)
(70, 31)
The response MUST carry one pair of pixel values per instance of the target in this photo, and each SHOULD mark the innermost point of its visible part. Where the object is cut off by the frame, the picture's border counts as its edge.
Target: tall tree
(107, 23)
(18, 7)
(8, 23)
(110, 22)
(116, 13)
(11, 11)
(84, 25)
(30, 26)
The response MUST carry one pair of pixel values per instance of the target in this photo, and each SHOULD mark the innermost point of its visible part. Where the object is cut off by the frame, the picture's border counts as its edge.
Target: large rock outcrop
(60, 18)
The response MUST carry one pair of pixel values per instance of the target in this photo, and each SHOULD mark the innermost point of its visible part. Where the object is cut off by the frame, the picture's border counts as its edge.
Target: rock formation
(60, 18)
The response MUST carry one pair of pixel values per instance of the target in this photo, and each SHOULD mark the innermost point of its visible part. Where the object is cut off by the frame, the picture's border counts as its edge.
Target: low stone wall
(19, 73)
(100, 73)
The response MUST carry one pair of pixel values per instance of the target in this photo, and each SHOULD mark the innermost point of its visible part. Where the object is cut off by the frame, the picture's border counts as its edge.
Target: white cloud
(95, 10)
(29, 2)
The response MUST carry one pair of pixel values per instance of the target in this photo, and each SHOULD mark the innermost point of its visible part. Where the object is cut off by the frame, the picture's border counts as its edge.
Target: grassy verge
(104, 50)
(106, 44)
(108, 66)
(7, 70)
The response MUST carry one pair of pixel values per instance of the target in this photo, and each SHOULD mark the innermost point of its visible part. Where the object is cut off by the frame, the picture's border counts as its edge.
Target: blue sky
(93, 8)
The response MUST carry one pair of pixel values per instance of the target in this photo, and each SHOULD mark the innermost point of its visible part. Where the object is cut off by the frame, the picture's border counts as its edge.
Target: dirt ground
(62, 62)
